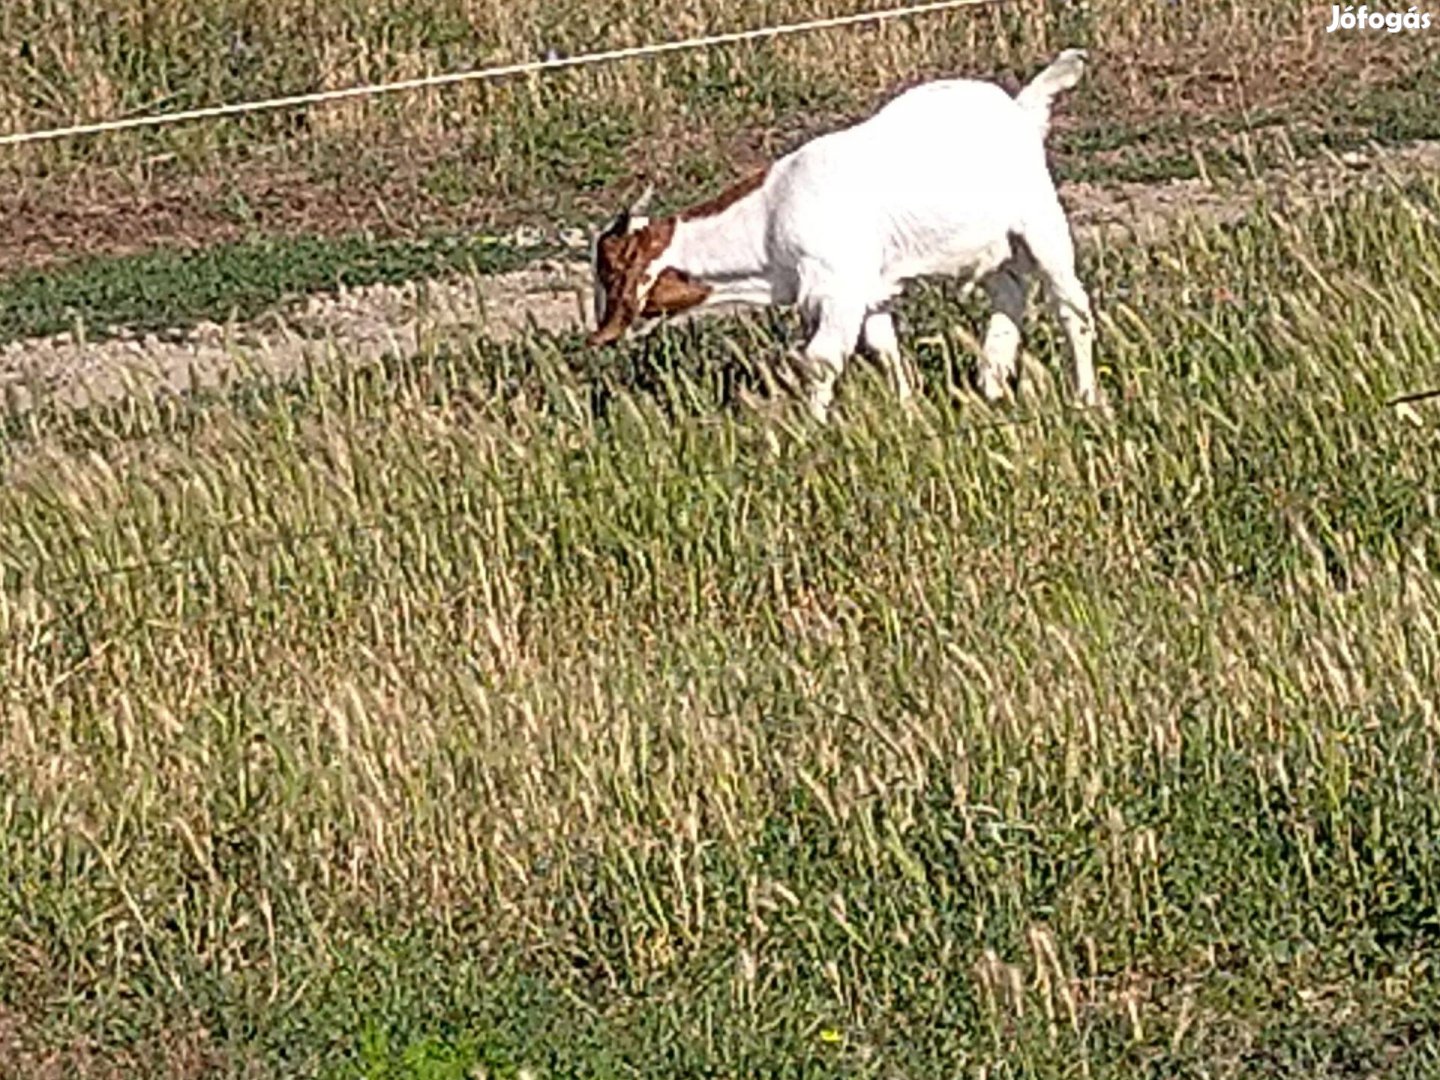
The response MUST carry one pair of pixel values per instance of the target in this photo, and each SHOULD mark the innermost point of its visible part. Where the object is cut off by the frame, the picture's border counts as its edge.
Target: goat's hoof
(1095, 403)
(995, 394)
(995, 388)
(903, 393)
(819, 410)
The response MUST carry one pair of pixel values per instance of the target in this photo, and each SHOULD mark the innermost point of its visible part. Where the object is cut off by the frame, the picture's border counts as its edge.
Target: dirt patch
(364, 324)
(360, 324)
(126, 214)
(383, 193)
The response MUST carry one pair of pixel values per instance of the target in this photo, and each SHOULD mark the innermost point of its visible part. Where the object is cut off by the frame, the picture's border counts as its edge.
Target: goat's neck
(724, 250)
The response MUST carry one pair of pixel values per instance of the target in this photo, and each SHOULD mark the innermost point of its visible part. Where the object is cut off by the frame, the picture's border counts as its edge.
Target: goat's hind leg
(1053, 253)
(1005, 289)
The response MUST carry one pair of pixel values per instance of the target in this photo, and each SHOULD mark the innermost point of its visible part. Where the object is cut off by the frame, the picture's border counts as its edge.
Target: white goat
(950, 177)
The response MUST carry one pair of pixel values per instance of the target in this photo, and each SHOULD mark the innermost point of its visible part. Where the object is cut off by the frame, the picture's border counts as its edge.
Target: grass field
(511, 708)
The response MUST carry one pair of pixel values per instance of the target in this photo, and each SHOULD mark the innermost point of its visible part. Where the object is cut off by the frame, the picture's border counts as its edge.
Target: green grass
(526, 708)
(173, 290)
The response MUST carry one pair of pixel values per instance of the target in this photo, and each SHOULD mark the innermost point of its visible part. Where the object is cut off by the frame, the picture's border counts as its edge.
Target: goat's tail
(1039, 93)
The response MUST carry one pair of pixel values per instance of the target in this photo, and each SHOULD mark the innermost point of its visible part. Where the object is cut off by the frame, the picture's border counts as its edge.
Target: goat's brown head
(630, 278)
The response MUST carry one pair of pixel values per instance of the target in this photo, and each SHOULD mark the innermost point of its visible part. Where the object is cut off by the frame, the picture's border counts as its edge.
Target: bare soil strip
(361, 325)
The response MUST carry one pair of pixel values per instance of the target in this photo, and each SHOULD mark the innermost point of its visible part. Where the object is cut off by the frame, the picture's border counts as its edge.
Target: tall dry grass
(487, 696)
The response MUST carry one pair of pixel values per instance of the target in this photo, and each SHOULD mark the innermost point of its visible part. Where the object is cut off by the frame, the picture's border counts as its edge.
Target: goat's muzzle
(606, 335)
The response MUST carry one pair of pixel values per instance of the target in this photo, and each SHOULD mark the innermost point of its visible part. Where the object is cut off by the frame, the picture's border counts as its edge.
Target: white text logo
(1351, 18)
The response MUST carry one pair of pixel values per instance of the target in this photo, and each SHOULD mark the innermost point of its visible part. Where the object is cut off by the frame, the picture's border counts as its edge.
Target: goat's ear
(616, 226)
(632, 218)
(642, 202)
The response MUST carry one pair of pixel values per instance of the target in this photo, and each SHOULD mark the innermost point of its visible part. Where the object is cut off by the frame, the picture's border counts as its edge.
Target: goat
(949, 177)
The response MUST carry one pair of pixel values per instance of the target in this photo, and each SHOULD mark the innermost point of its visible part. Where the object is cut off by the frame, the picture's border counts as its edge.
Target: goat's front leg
(880, 337)
(837, 332)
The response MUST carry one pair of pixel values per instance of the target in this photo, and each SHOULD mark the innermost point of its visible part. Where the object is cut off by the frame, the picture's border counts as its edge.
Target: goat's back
(928, 118)
(954, 164)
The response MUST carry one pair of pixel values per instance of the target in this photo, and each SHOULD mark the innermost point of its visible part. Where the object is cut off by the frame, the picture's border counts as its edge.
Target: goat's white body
(949, 178)
(937, 182)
